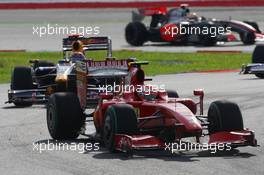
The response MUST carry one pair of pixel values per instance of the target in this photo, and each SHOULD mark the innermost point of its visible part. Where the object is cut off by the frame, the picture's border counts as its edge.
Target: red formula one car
(136, 116)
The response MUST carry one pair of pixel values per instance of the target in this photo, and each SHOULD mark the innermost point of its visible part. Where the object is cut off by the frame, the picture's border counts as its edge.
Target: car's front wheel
(22, 80)
(224, 116)
(136, 33)
(119, 119)
(64, 116)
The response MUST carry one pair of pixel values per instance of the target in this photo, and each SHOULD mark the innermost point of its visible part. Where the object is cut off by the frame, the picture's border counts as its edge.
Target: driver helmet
(185, 9)
(77, 51)
(77, 46)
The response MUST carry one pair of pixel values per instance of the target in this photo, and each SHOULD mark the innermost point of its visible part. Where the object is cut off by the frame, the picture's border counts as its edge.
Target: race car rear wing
(107, 68)
(140, 14)
(153, 11)
(89, 43)
(92, 78)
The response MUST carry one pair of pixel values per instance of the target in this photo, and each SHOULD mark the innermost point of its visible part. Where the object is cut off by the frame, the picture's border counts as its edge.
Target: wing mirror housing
(199, 93)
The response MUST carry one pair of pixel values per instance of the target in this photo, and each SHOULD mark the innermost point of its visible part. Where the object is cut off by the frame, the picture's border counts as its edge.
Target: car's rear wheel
(119, 119)
(224, 116)
(258, 57)
(248, 38)
(136, 33)
(22, 80)
(64, 116)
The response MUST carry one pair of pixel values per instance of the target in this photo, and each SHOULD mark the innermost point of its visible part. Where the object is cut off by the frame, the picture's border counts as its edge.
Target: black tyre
(224, 116)
(258, 54)
(172, 94)
(248, 38)
(254, 25)
(64, 116)
(22, 80)
(119, 119)
(258, 57)
(136, 33)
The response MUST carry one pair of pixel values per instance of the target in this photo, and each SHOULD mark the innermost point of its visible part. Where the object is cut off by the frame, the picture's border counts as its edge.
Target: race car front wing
(126, 143)
(34, 96)
(252, 69)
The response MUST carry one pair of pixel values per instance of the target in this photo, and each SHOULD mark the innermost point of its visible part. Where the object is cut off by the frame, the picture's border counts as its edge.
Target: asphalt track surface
(21, 127)
(16, 27)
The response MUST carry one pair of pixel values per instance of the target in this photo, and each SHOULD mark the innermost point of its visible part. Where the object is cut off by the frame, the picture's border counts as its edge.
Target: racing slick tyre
(64, 116)
(258, 54)
(22, 80)
(172, 94)
(136, 33)
(224, 116)
(258, 57)
(119, 119)
(248, 38)
(254, 25)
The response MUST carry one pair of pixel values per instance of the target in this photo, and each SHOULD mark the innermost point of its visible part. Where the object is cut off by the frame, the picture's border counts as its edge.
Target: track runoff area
(23, 26)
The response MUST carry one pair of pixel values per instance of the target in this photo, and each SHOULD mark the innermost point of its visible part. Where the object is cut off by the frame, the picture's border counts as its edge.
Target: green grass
(160, 62)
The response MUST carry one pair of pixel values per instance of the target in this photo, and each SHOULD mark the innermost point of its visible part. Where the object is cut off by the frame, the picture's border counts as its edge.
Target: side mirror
(200, 93)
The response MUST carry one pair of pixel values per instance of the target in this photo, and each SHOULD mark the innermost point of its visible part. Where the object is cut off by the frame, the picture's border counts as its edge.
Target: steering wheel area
(146, 93)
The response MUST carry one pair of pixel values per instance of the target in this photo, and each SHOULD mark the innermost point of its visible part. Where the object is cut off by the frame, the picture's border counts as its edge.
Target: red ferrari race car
(180, 26)
(257, 65)
(136, 116)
